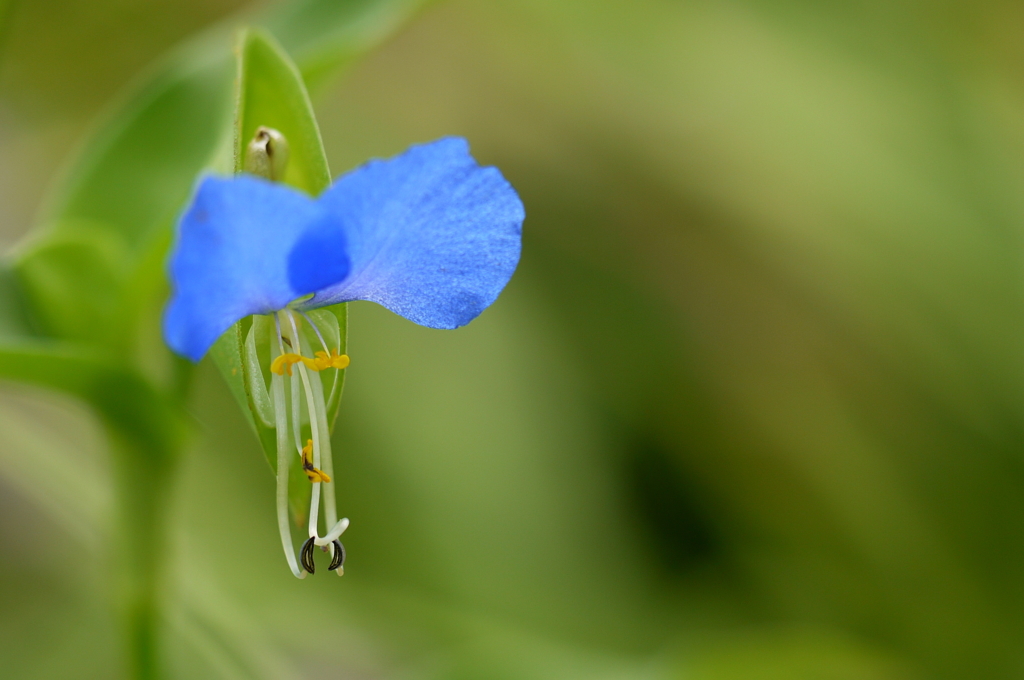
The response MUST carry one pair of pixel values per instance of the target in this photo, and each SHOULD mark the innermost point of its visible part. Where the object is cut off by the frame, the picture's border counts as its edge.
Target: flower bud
(267, 154)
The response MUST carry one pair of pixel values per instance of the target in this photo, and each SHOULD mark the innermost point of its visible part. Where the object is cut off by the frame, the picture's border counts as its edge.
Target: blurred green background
(751, 408)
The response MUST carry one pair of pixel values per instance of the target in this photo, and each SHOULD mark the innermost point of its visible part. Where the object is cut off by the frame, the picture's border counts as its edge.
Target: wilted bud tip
(267, 154)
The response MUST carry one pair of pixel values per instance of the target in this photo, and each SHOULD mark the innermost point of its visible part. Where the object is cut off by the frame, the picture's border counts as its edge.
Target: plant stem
(146, 429)
(142, 483)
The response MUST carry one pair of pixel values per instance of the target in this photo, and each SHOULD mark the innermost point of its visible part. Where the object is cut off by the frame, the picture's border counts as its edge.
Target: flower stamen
(336, 531)
(334, 390)
(338, 560)
(317, 449)
(306, 554)
(324, 360)
(283, 363)
(281, 419)
(314, 474)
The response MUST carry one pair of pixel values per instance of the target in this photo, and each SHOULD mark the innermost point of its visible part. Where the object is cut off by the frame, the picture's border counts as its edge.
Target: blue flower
(428, 234)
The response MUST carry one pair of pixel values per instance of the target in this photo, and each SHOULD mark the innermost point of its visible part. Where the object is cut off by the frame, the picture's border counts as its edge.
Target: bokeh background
(752, 406)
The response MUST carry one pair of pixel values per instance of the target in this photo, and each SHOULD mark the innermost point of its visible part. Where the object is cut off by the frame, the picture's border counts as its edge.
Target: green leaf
(134, 176)
(80, 285)
(126, 401)
(270, 93)
(73, 282)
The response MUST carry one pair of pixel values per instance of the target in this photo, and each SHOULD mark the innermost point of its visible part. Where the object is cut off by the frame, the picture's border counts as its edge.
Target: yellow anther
(314, 474)
(284, 362)
(333, 360)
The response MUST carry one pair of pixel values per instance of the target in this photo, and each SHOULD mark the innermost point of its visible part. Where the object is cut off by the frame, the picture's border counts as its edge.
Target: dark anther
(339, 556)
(307, 556)
(286, 341)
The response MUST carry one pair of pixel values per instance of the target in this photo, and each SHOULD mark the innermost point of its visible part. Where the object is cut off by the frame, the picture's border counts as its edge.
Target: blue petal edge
(430, 234)
(230, 259)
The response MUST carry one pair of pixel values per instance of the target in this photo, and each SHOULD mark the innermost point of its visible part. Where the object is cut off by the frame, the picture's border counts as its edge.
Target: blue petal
(429, 234)
(231, 258)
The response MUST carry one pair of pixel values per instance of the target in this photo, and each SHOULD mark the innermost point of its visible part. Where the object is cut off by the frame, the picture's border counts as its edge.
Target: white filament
(315, 330)
(283, 462)
(314, 425)
(332, 535)
(329, 498)
(330, 502)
